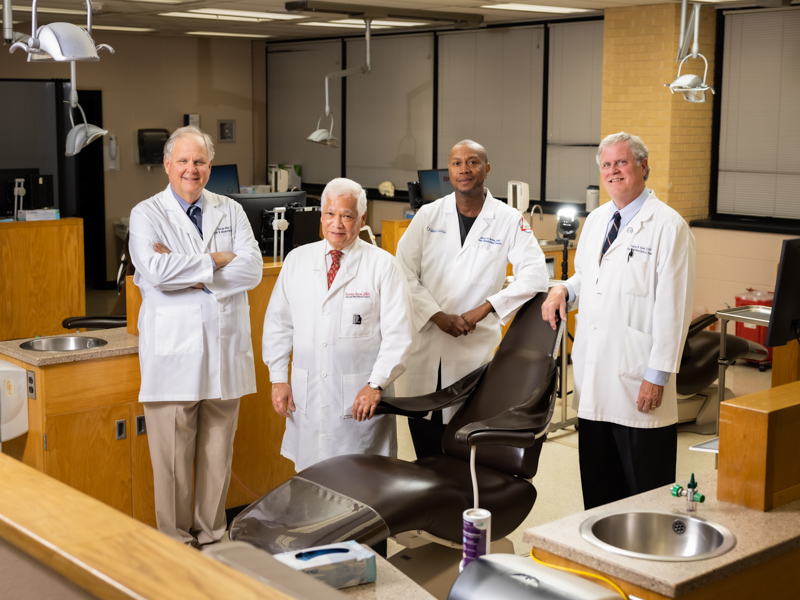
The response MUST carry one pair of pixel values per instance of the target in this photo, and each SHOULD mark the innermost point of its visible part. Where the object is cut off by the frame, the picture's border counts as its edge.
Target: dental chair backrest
(523, 371)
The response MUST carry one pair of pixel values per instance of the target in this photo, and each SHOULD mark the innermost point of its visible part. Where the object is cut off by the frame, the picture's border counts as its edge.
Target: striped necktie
(196, 215)
(612, 234)
(335, 256)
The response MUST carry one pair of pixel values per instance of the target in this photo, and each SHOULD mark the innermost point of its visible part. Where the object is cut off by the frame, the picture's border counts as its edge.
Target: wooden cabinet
(83, 431)
(42, 260)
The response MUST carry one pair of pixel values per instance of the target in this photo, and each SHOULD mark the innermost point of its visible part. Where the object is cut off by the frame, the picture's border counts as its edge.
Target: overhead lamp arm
(690, 30)
(8, 23)
(363, 69)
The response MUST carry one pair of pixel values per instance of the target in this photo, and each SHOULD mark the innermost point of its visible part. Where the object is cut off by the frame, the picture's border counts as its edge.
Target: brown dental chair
(505, 411)
(698, 396)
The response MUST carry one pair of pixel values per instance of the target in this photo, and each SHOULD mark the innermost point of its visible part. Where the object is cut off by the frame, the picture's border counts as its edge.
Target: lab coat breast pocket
(356, 320)
(638, 275)
(351, 385)
(300, 388)
(485, 262)
(178, 330)
(636, 354)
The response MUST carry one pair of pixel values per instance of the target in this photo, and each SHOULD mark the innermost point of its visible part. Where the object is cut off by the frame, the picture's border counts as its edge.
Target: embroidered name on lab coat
(436, 230)
(225, 229)
(641, 249)
(356, 295)
(490, 240)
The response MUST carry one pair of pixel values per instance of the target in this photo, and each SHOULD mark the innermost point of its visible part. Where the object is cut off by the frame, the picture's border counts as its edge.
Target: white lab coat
(194, 345)
(445, 276)
(634, 312)
(342, 338)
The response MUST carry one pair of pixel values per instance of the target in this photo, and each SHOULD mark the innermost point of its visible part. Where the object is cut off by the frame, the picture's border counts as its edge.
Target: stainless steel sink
(63, 343)
(657, 535)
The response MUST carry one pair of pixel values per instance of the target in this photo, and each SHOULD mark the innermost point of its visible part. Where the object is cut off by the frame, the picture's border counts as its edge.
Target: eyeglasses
(616, 163)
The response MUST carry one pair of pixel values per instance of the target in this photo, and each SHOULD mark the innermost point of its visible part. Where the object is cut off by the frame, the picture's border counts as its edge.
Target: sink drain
(678, 526)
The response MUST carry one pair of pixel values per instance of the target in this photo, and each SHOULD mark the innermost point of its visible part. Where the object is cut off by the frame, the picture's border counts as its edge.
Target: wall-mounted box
(150, 146)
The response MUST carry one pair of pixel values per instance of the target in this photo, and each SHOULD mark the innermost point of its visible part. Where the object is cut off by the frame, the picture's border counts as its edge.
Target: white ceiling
(146, 14)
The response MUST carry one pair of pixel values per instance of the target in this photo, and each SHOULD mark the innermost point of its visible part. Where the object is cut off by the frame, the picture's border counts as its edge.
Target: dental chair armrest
(519, 426)
(700, 323)
(104, 322)
(419, 406)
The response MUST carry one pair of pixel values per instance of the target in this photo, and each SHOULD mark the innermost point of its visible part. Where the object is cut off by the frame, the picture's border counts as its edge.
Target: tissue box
(41, 214)
(339, 565)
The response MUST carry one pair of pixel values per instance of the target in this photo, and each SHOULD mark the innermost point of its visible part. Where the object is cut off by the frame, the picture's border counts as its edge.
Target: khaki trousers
(189, 439)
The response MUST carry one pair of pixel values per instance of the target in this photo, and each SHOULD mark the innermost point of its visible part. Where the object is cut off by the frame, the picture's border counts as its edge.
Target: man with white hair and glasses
(634, 279)
(342, 310)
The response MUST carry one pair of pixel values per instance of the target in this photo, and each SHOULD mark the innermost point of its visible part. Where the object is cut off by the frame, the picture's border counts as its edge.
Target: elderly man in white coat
(195, 258)
(455, 254)
(341, 308)
(634, 278)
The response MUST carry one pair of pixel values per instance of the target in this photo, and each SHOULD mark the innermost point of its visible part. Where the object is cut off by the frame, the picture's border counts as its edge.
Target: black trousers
(427, 434)
(618, 461)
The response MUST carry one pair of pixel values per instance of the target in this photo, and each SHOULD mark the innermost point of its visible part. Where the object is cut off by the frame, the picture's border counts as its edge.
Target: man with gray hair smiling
(342, 310)
(634, 277)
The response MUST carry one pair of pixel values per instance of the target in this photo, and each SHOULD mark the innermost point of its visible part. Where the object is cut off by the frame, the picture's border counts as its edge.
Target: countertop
(119, 342)
(760, 536)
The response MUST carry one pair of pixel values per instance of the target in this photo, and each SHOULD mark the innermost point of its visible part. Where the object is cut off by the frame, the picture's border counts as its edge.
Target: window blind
(759, 143)
(295, 103)
(490, 91)
(390, 110)
(575, 85)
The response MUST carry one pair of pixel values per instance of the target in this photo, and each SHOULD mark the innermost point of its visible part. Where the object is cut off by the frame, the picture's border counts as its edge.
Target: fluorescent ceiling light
(380, 23)
(222, 34)
(55, 11)
(536, 8)
(163, 1)
(343, 24)
(245, 13)
(190, 15)
(118, 28)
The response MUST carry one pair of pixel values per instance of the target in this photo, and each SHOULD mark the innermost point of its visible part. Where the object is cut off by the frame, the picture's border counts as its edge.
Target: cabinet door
(144, 508)
(83, 451)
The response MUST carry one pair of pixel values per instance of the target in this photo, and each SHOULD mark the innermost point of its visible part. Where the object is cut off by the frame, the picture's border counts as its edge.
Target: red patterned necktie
(335, 256)
(612, 233)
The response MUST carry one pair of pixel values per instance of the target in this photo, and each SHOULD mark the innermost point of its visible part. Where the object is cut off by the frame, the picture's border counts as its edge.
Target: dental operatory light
(691, 86)
(325, 136)
(82, 134)
(60, 42)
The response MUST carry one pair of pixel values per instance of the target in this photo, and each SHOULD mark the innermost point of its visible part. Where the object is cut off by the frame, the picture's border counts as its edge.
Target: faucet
(541, 212)
(692, 496)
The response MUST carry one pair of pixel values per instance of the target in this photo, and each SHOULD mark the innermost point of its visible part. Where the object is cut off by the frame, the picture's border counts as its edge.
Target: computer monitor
(254, 206)
(224, 180)
(434, 184)
(784, 321)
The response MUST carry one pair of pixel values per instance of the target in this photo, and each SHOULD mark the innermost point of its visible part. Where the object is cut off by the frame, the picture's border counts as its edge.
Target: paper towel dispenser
(13, 401)
(150, 146)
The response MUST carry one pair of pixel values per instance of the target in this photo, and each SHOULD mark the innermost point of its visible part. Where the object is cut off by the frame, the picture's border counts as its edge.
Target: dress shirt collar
(630, 211)
(184, 204)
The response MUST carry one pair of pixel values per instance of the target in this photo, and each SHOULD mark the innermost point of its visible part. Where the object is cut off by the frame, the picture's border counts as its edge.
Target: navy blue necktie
(196, 215)
(612, 233)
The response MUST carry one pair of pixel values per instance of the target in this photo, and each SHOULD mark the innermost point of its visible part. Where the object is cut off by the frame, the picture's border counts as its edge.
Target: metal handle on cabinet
(141, 426)
(122, 426)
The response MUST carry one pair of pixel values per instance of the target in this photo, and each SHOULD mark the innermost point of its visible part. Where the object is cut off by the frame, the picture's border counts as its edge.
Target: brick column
(640, 44)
